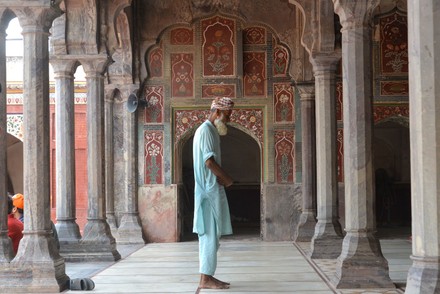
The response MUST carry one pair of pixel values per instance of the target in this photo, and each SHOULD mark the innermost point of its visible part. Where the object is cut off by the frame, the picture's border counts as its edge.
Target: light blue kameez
(211, 210)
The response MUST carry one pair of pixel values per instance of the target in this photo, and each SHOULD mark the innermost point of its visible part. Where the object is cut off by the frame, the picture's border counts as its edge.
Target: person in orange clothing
(18, 202)
(15, 226)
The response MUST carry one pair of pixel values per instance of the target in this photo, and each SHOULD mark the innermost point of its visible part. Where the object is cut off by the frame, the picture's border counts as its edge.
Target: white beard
(222, 128)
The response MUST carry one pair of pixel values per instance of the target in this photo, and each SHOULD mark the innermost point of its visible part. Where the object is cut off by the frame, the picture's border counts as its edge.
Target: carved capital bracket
(124, 90)
(306, 90)
(355, 14)
(94, 64)
(326, 62)
(318, 33)
(36, 17)
(63, 67)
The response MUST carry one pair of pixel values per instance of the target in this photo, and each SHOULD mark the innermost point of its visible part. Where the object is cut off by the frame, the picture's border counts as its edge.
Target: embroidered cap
(222, 103)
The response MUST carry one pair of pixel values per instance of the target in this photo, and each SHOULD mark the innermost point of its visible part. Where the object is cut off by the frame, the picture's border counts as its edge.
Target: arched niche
(240, 154)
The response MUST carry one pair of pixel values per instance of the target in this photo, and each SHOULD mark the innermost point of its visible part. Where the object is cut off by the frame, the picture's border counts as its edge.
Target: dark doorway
(392, 179)
(242, 160)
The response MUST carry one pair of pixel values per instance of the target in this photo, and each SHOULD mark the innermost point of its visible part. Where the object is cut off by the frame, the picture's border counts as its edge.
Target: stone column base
(37, 268)
(306, 227)
(97, 243)
(327, 241)
(361, 264)
(424, 275)
(130, 231)
(6, 250)
(68, 231)
(111, 220)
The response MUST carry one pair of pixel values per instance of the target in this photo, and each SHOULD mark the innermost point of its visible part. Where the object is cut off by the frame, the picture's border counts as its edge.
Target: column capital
(37, 17)
(355, 13)
(326, 61)
(306, 90)
(63, 67)
(95, 64)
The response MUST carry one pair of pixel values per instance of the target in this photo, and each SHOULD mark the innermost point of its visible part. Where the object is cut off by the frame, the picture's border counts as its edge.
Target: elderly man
(211, 210)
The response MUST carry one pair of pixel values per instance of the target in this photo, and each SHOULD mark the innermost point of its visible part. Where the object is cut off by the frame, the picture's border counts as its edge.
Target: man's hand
(222, 177)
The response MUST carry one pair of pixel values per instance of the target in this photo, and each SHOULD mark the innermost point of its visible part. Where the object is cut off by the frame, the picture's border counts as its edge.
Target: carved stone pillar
(37, 267)
(109, 164)
(130, 230)
(97, 239)
(67, 228)
(327, 240)
(424, 69)
(307, 222)
(361, 263)
(6, 252)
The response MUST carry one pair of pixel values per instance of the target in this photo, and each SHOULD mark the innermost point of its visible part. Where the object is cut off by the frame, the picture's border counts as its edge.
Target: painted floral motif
(154, 111)
(218, 46)
(14, 125)
(182, 75)
(339, 101)
(153, 157)
(340, 155)
(187, 120)
(181, 36)
(280, 61)
(394, 43)
(283, 102)
(394, 88)
(254, 73)
(284, 156)
(381, 112)
(254, 36)
(155, 62)
(210, 91)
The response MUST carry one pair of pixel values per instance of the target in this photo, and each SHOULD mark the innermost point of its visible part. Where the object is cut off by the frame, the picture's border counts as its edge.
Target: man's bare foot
(209, 282)
(226, 283)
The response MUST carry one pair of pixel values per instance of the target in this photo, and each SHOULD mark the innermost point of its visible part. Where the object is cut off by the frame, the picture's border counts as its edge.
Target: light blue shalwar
(211, 209)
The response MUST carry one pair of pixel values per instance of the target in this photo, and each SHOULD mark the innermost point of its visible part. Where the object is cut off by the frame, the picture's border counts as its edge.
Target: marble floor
(250, 265)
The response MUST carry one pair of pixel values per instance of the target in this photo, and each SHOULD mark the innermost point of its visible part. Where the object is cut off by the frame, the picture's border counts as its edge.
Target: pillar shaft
(424, 69)
(6, 252)
(41, 267)
(327, 240)
(307, 222)
(67, 228)
(109, 165)
(97, 237)
(361, 263)
(130, 231)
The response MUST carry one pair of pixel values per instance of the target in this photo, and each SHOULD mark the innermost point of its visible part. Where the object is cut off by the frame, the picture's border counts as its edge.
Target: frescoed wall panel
(154, 98)
(218, 46)
(254, 76)
(153, 155)
(181, 36)
(283, 103)
(182, 75)
(284, 156)
(155, 63)
(254, 36)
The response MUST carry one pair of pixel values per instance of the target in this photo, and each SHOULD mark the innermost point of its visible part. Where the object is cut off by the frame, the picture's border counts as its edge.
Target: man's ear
(14, 209)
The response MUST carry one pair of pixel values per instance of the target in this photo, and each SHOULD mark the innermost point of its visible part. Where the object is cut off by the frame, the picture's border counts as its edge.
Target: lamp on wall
(134, 102)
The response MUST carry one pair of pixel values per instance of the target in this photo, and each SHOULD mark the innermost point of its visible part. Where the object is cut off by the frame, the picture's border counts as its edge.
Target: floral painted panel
(339, 101)
(394, 44)
(394, 88)
(185, 120)
(211, 91)
(283, 103)
(340, 154)
(381, 112)
(254, 76)
(154, 98)
(14, 125)
(182, 80)
(155, 63)
(284, 156)
(182, 36)
(153, 157)
(254, 36)
(218, 49)
(280, 61)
